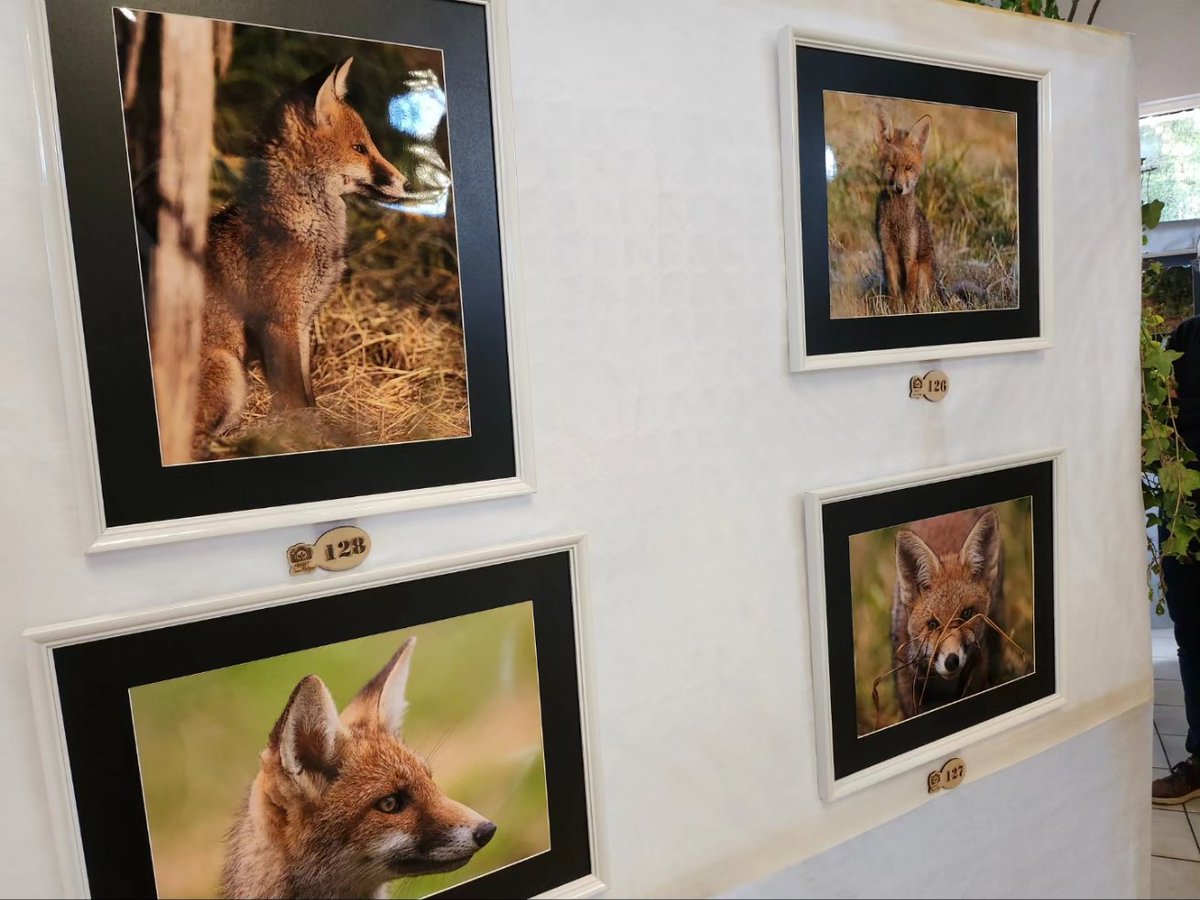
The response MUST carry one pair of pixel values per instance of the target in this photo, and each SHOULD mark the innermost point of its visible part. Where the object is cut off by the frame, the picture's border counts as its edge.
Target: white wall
(1165, 33)
(667, 427)
(982, 845)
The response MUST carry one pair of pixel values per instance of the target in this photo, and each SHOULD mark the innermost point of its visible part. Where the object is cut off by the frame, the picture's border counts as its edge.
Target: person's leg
(1182, 592)
(1181, 589)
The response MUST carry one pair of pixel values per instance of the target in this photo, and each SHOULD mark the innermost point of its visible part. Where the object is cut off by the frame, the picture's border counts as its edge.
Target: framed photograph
(283, 244)
(916, 202)
(933, 603)
(415, 732)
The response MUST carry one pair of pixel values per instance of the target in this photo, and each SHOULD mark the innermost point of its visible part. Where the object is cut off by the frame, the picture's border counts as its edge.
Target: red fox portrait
(341, 806)
(949, 577)
(275, 254)
(905, 238)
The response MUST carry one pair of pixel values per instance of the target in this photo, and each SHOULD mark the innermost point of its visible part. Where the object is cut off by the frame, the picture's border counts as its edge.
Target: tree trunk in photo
(222, 47)
(177, 270)
(133, 59)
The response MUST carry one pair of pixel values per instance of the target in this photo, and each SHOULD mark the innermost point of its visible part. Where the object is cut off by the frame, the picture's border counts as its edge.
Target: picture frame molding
(65, 294)
(41, 642)
(832, 788)
(790, 37)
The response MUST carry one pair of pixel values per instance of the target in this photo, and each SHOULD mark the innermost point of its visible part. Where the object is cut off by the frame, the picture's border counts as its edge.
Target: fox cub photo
(341, 806)
(329, 312)
(943, 609)
(922, 206)
(360, 769)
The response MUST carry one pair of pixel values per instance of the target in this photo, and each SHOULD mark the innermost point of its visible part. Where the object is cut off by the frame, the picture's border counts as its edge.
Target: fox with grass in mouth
(949, 585)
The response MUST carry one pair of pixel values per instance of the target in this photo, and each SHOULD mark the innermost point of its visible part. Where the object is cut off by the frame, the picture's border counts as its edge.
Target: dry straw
(383, 372)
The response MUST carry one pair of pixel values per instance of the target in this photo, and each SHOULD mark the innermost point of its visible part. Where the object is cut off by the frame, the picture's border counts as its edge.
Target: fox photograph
(942, 610)
(296, 227)
(395, 765)
(922, 206)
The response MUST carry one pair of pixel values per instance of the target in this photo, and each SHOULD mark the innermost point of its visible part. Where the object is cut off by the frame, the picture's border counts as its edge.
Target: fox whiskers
(902, 662)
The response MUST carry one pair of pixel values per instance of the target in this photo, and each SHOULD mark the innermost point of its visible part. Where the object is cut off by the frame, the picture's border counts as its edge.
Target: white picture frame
(877, 39)
(41, 644)
(102, 536)
(832, 787)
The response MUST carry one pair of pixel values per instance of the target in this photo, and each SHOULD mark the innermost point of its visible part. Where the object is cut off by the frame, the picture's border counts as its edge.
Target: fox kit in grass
(949, 575)
(276, 252)
(341, 806)
(903, 230)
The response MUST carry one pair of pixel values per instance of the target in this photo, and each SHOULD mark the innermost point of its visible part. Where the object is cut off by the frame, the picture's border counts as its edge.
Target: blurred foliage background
(474, 714)
(872, 587)
(968, 192)
(1169, 292)
(389, 360)
(1170, 147)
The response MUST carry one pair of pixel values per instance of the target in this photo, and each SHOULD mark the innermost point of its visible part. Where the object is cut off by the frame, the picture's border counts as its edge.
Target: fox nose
(951, 662)
(484, 832)
(397, 181)
(385, 176)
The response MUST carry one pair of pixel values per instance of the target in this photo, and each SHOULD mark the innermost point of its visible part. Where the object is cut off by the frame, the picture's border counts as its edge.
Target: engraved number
(352, 547)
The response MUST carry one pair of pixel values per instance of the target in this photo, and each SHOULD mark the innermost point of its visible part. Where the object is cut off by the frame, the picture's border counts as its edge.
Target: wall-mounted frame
(239, 408)
(497, 703)
(916, 188)
(933, 600)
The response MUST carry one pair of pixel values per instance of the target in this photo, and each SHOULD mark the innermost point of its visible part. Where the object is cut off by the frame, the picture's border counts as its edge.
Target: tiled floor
(1175, 866)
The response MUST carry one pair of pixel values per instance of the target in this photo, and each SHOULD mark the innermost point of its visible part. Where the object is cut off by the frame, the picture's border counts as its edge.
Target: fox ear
(920, 132)
(916, 566)
(306, 735)
(980, 554)
(883, 125)
(382, 700)
(333, 89)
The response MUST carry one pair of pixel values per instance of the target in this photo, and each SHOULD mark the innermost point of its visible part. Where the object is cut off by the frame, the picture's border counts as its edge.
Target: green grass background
(968, 192)
(474, 713)
(872, 586)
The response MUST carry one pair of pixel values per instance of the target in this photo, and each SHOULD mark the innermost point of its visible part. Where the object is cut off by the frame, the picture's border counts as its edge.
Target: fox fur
(948, 570)
(276, 252)
(340, 805)
(905, 239)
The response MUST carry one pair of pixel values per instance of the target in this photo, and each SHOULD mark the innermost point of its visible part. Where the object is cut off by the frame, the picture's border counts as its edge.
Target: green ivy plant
(1170, 473)
(1047, 9)
(1151, 216)
(1170, 477)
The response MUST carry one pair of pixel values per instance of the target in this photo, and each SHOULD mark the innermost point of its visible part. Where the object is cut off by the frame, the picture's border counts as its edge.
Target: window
(1171, 163)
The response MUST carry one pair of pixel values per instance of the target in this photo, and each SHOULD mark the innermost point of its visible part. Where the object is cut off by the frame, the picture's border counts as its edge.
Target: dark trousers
(1182, 589)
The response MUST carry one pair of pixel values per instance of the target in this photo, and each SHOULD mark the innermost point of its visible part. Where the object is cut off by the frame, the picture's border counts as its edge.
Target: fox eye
(908, 168)
(392, 803)
(359, 148)
(933, 624)
(968, 613)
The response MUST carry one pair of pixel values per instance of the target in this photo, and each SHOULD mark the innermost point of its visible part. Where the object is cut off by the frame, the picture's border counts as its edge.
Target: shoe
(1182, 785)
